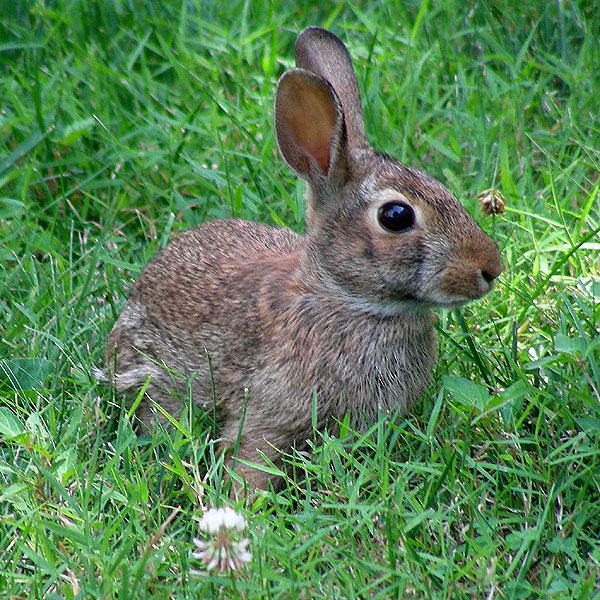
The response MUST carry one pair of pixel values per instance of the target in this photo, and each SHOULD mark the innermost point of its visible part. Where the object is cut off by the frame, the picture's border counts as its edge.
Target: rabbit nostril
(489, 277)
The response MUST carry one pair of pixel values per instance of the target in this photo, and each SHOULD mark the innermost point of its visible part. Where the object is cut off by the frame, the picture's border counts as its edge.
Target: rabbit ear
(321, 52)
(309, 125)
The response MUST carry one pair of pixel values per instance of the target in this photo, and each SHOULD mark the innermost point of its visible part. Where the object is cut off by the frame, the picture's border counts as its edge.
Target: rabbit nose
(492, 269)
(489, 277)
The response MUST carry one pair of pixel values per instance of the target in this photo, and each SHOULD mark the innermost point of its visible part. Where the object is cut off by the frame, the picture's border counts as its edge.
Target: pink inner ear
(312, 121)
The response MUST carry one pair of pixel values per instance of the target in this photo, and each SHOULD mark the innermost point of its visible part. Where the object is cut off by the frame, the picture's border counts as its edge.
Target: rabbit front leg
(258, 444)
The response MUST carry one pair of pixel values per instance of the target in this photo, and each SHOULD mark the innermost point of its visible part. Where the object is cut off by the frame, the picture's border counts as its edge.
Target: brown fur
(342, 312)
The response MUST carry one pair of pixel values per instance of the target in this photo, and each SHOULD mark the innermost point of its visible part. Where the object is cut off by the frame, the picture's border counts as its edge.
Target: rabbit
(246, 316)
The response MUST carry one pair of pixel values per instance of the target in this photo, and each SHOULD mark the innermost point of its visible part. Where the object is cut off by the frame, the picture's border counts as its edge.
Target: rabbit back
(193, 301)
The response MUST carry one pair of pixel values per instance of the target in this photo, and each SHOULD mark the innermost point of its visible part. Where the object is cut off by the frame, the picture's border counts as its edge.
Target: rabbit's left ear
(309, 126)
(322, 53)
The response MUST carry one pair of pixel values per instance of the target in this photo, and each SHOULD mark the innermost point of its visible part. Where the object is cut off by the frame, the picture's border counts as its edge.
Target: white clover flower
(225, 552)
(215, 518)
(228, 556)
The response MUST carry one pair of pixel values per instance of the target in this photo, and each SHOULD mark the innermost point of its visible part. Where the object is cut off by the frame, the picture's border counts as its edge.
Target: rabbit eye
(395, 216)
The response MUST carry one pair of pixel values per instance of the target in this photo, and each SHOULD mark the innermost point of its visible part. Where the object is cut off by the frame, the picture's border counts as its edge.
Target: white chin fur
(442, 300)
(387, 309)
(405, 307)
(449, 302)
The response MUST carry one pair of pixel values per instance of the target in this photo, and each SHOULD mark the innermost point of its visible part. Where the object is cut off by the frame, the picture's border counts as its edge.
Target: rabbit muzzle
(470, 275)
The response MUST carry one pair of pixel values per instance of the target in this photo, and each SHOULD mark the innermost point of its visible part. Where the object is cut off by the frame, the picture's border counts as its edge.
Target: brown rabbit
(343, 312)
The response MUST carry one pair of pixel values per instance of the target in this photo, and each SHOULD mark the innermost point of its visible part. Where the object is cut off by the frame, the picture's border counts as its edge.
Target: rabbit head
(386, 237)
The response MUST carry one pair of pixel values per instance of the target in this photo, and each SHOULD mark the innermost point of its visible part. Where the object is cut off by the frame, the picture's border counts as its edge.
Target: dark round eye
(395, 216)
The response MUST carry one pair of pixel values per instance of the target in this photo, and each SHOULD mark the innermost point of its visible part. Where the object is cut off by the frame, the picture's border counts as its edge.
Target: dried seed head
(491, 201)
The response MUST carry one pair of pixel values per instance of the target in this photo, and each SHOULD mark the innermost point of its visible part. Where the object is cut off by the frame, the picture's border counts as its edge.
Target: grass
(121, 127)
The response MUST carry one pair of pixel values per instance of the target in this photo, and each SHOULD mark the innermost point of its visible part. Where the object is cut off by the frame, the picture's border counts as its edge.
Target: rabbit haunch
(343, 312)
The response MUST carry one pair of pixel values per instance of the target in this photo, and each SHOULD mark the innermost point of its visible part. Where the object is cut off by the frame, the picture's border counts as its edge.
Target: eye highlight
(396, 216)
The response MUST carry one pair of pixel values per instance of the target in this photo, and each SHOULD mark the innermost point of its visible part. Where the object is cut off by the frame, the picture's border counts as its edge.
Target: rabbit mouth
(451, 304)
(451, 300)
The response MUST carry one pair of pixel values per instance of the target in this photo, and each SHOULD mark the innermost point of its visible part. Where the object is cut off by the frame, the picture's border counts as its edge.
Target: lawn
(123, 123)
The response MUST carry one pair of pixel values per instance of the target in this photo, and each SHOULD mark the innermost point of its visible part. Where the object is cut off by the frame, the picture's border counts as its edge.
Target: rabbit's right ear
(309, 126)
(324, 54)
